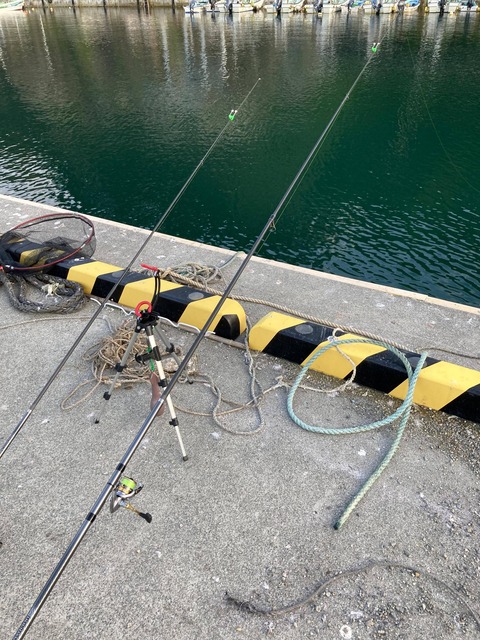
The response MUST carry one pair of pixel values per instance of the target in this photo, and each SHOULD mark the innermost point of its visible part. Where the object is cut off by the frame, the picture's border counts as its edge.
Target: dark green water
(109, 112)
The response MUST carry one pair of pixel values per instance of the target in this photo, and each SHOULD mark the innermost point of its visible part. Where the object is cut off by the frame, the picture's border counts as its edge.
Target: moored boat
(213, 6)
(298, 5)
(197, 6)
(373, 6)
(463, 6)
(13, 5)
(436, 6)
(352, 6)
(331, 7)
(387, 6)
(323, 6)
(286, 6)
(241, 7)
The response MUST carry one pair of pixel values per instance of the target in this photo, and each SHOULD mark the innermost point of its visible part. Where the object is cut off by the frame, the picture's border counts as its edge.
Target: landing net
(38, 244)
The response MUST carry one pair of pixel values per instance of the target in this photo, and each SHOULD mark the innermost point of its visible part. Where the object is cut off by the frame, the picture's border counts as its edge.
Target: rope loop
(338, 343)
(51, 294)
(402, 413)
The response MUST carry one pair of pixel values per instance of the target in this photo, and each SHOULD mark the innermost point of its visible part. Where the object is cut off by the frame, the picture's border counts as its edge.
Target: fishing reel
(125, 490)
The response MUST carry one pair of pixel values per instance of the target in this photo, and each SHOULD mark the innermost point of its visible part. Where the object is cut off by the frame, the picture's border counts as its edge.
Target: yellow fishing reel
(125, 490)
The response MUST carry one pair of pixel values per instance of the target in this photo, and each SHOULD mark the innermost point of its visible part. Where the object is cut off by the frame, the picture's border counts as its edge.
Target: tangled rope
(256, 395)
(403, 412)
(59, 295)
(193, 272)
(105, 355)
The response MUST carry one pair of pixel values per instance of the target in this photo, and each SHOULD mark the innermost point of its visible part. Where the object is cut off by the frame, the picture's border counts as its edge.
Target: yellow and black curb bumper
(440, 385)
(176, 302)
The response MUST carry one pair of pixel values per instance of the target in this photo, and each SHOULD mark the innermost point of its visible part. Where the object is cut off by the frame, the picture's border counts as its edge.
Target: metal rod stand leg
(119, 367)
(155, 354)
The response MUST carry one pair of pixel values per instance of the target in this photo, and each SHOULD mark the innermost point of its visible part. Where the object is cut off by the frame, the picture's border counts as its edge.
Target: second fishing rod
(116, 483)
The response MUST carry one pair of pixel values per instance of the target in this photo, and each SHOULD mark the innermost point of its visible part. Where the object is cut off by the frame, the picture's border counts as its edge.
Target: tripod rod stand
(147, 321)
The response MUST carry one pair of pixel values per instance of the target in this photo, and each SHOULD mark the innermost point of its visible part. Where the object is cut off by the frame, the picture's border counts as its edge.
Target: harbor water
(108, 111)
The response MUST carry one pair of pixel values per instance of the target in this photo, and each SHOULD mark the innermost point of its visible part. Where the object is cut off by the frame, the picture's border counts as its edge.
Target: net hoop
(33, 231)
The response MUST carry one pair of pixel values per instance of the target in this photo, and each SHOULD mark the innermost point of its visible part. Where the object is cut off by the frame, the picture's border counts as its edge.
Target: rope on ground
(253, 388)
(105, 355)
(348, 573)
(236, 406)
(15, 325)
(59, 295)
(256, 395)
(195, 272)
(402, 413)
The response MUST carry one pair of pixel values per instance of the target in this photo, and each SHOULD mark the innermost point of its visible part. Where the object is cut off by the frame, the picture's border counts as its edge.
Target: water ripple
(116, 113)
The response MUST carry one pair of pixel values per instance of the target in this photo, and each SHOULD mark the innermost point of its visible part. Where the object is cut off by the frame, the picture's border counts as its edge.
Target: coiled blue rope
(402, 413)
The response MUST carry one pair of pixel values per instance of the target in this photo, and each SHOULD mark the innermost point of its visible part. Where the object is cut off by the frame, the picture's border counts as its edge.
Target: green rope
(403, 412)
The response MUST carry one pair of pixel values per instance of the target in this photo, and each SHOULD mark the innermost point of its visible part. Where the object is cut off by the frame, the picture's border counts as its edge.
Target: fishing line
(316, 148)
(116, 477)
(127, 270)
(440, 142)
(248, 94)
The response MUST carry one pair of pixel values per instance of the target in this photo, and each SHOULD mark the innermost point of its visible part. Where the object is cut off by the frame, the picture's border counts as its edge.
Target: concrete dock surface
(251, 512)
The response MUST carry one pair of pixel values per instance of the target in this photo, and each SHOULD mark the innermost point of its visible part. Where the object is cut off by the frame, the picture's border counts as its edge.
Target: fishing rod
(117, 481)
(28, 413)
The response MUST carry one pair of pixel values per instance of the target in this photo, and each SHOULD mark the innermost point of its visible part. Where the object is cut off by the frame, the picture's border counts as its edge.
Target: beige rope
(105, 355)
(168, 274)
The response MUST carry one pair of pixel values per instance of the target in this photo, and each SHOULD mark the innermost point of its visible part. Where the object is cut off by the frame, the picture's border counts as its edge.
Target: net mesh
(40, 243)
